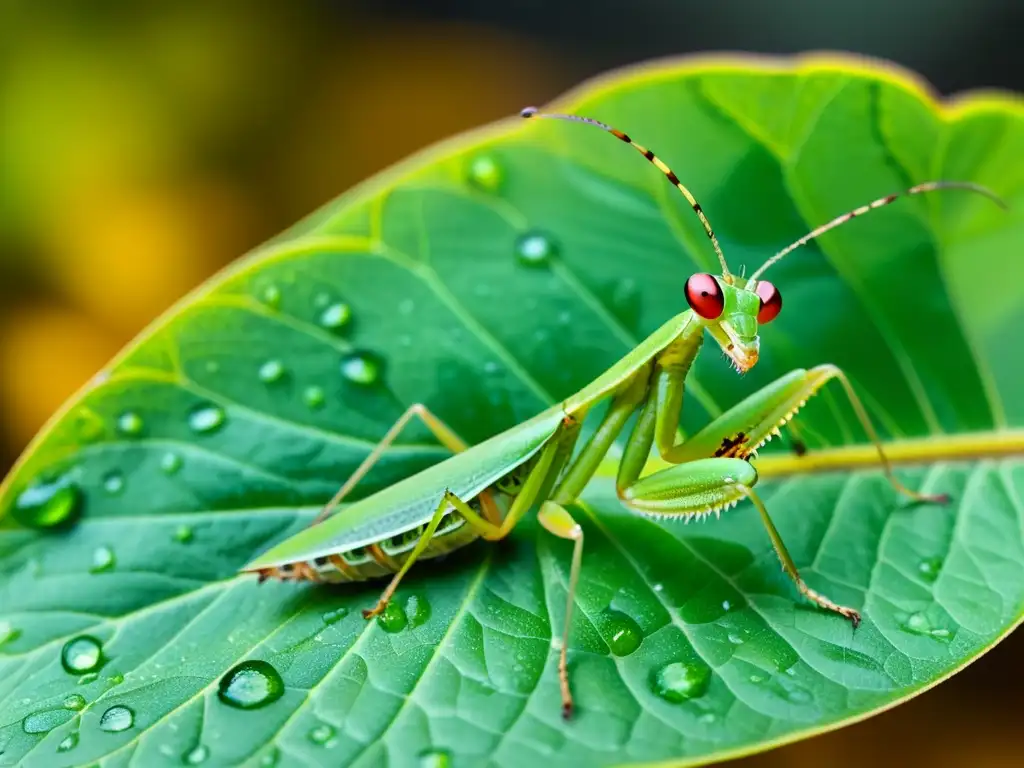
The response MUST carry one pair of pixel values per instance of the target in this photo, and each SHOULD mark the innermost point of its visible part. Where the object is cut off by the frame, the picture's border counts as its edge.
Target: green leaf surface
(227, 425)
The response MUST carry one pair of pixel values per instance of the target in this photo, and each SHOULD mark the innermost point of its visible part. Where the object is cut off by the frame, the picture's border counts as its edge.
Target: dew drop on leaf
(334, 616)
(336, 316)
(270, 758)
(271, 296)
(250, 685)
(81, 654)
(170, 463)
(622, 634)
(677, 682)
(45, 720)
(116, 719)
(8, 632)
(183, 534)
(919, 624)
(321, 734)
(102, 560)
(360, 368)
(393, 619)
(206, 419)
(535, 249)
(48, 504)
(929, 568)
(74, 702)
(130, 423)
(69, 742)
(197, 755)
(314, 397)
(271, 371)
(417, 609)
(113, 483)
(435, 758)
(485, 174)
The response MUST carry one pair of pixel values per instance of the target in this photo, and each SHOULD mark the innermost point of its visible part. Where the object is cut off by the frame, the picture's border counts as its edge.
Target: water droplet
(197, 755)
(393, 619)
(81, 654)
(115, 679)
(206, 419)
(271, 296)
(251, 685)
(88, 677)
(360, 368)
(48, 504)
(757, 678)
(707, 718)
(658, 587)
(678, 682)
(74, 702)
(314, 397)
(270, 758)
(929, 569)
(271, 371)
(113, 483)
(322, 734)
(8, 632)
(919, 624)
(183, 534)
(726, 605)
(735, 638)
(102, 560)
(418, 610)
(435, 758)
(116, 719)
(130, 423)
(87, 426)
(170, 463)
(485, 174)
(45, 720)
(70, 742)
(535, 249)
(333, 616)
(622, 634)
(336, 316)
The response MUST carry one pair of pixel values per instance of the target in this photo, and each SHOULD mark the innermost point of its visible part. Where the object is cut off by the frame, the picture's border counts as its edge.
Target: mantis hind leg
(445, 435)
(541, 476)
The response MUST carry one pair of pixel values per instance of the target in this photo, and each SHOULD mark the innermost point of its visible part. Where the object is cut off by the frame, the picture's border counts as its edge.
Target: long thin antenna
(928, 186)
(669, 173)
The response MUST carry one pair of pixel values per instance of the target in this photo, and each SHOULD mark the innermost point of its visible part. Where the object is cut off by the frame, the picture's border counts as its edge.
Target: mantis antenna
(669, 173)
(928, 186)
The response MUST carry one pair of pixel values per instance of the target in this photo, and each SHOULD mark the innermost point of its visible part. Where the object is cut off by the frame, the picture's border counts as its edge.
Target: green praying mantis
(483, 491)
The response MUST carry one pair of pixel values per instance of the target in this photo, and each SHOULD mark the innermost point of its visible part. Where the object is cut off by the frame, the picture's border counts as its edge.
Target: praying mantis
(483, 491)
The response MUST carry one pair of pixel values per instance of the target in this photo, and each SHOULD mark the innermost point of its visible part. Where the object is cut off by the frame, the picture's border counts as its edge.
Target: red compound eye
(771, 302)
(704, 295)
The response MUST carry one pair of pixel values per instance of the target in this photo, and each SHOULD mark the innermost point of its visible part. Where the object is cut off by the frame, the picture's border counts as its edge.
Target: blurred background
(145, 146)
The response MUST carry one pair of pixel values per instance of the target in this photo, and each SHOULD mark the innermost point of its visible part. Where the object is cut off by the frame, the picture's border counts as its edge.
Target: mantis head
(729, 306)
(732, 309)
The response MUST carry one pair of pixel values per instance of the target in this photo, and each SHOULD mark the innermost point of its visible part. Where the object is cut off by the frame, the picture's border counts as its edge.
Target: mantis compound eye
(771, 302)
(704, 295)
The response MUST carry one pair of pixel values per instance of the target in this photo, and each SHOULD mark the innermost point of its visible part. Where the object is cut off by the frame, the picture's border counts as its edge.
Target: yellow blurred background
(144, 146)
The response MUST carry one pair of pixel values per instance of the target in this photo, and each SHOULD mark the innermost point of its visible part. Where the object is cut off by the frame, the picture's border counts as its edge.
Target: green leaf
(226, 426)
